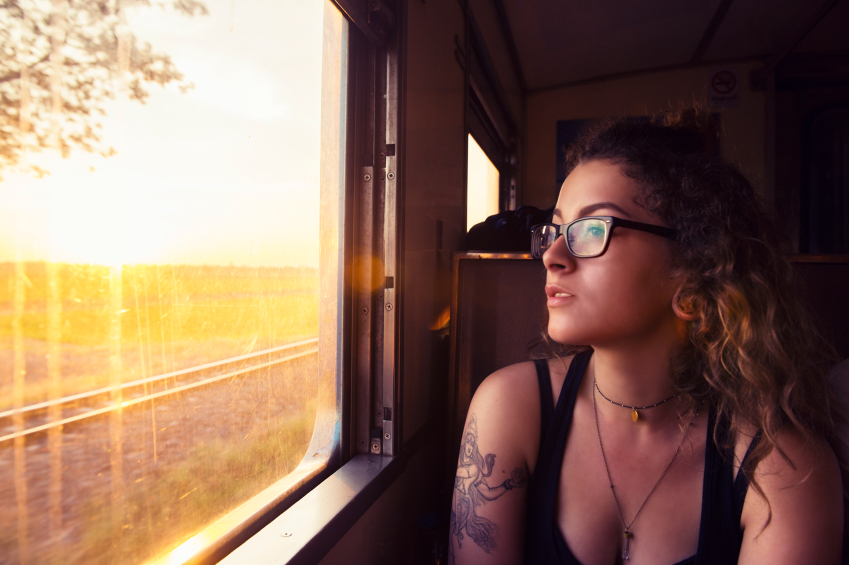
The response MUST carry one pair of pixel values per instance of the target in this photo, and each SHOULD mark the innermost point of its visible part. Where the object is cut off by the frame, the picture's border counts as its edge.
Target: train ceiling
(562, 42)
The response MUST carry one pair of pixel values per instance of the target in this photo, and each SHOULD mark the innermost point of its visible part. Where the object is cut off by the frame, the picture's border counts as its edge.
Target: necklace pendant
(634, 415)
(625, 544)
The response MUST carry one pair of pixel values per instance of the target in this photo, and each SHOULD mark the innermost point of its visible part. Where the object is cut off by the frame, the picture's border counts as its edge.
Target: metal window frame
(488, 116)
(372, 420)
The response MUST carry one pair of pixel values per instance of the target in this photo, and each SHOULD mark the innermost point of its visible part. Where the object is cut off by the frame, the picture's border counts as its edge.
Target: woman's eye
(596, 231)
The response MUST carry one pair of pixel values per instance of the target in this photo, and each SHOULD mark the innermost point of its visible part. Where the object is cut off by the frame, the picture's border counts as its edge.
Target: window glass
(825, 194)
(481, 186)
(159, 270)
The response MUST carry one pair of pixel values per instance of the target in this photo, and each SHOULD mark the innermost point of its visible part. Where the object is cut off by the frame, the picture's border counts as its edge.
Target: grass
(163, 511)
(180, 301)
(171, 317)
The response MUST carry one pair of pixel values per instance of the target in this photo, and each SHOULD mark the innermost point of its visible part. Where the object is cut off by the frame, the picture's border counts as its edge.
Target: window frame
(808, 213)
(489, 118)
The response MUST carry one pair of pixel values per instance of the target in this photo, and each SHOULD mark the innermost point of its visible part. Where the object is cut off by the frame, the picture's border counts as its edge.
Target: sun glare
(77, 216)
(190, 166)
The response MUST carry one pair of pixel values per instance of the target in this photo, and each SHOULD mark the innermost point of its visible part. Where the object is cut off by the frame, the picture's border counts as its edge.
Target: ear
(685, 311)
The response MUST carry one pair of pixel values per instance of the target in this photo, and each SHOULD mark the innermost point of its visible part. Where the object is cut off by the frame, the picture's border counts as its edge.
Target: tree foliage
(88, 47)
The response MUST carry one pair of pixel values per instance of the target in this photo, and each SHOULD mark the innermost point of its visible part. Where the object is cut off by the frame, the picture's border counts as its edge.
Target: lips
(554, 291)
(557, 295)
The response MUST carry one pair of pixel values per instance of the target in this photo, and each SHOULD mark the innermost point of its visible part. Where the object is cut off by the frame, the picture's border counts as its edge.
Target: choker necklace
(626, 534)
(634, 414)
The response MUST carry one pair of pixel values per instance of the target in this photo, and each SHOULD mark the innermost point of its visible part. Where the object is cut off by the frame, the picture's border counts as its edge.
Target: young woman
(686, 415)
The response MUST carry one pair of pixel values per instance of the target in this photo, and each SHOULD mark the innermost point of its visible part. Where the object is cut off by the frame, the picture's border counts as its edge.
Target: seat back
(497, 311)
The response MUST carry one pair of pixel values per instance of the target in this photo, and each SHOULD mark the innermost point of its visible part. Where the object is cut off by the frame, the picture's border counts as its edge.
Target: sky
(224, 174)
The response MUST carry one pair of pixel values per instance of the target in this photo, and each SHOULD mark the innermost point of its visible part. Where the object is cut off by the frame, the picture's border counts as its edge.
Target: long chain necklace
(634, 414)
(626, 534)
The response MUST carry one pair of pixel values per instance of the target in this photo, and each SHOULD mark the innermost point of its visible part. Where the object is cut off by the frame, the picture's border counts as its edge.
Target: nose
(558, 257)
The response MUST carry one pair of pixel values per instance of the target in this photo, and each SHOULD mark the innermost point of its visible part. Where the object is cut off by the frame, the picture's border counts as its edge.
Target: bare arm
(490, 486)
(517, 480)
(806, 524)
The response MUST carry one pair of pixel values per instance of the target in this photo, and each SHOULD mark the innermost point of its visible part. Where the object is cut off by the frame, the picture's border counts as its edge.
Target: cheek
(626, 301)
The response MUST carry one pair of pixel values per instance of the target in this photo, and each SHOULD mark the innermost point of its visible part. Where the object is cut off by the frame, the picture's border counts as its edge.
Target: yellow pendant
(634, 415)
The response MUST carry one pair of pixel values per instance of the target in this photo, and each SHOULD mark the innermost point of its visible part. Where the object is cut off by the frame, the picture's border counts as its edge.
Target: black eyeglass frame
(613, 222)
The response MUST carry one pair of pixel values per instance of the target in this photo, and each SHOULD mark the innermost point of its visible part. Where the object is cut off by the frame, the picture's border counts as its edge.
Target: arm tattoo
(471, 490)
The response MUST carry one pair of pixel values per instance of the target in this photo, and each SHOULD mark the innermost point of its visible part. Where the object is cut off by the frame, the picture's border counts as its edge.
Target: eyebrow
(588, 210)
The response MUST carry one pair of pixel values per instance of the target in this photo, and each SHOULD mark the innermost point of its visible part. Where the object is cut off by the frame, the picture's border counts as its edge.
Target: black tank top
(720, 535)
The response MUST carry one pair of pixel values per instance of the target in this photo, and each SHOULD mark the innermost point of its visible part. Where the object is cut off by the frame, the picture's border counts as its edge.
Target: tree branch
(16, 75)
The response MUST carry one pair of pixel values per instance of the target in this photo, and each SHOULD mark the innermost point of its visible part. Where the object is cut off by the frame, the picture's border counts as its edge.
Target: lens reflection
(586, 237)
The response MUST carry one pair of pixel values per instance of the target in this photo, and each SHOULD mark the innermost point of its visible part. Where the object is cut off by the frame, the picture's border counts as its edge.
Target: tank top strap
(741, 482)
(568, 392)
(720, 536)
(546, 401)
(556, 424)
(543, 543)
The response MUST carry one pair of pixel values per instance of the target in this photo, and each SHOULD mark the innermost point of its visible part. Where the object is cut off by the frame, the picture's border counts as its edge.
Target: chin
(577, 332)
(565, 334)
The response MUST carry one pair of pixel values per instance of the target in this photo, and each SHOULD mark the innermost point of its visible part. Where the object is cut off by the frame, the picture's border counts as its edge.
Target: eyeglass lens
(585, 238)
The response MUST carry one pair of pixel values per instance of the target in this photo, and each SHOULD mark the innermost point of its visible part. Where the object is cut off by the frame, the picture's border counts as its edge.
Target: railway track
(43, 416)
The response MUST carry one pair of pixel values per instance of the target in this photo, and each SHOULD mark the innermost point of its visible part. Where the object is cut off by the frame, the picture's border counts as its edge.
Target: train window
(825, 203)
(169, 216)
(482, 185)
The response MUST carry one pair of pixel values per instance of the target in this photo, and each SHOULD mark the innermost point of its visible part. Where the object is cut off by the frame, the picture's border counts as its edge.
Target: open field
(170, 318)
(127, 485)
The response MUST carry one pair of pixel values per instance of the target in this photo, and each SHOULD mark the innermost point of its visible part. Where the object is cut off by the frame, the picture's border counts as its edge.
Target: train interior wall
(410, 518)
(744, 125)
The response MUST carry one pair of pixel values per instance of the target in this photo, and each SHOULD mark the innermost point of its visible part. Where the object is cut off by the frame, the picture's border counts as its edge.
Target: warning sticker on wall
(723, 88)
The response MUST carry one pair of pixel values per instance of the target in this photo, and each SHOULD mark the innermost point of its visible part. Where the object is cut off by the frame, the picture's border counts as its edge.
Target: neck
(635, 374)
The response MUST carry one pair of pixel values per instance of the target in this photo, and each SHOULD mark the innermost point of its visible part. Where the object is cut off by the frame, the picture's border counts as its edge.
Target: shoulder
(838, 376)
(518, 383)
(506, 408)
(505, 412)
(504, 399)
(841, 370)
(512, 383)
(799, 518)
(516, 388)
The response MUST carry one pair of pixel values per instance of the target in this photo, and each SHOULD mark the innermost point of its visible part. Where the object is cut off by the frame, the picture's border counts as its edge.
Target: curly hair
(753, 352)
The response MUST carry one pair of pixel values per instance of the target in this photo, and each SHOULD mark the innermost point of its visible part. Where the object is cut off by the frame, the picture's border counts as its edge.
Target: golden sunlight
(159, 282)
(89, 218)
(482, 186)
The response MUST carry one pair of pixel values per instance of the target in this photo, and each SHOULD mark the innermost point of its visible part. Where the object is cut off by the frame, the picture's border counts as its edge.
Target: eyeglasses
(587, 237)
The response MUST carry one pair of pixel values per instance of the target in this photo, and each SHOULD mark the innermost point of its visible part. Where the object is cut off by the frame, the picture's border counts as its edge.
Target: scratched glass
(159, 280)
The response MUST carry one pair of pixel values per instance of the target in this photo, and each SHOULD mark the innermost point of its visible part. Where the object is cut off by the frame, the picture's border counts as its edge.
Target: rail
(153, 396)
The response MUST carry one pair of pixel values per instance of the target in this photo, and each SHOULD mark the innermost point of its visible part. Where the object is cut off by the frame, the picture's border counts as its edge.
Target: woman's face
(624, 294)
(470, 445)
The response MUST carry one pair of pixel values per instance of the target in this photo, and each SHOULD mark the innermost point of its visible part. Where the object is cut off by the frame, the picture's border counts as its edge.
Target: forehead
(594, 183)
